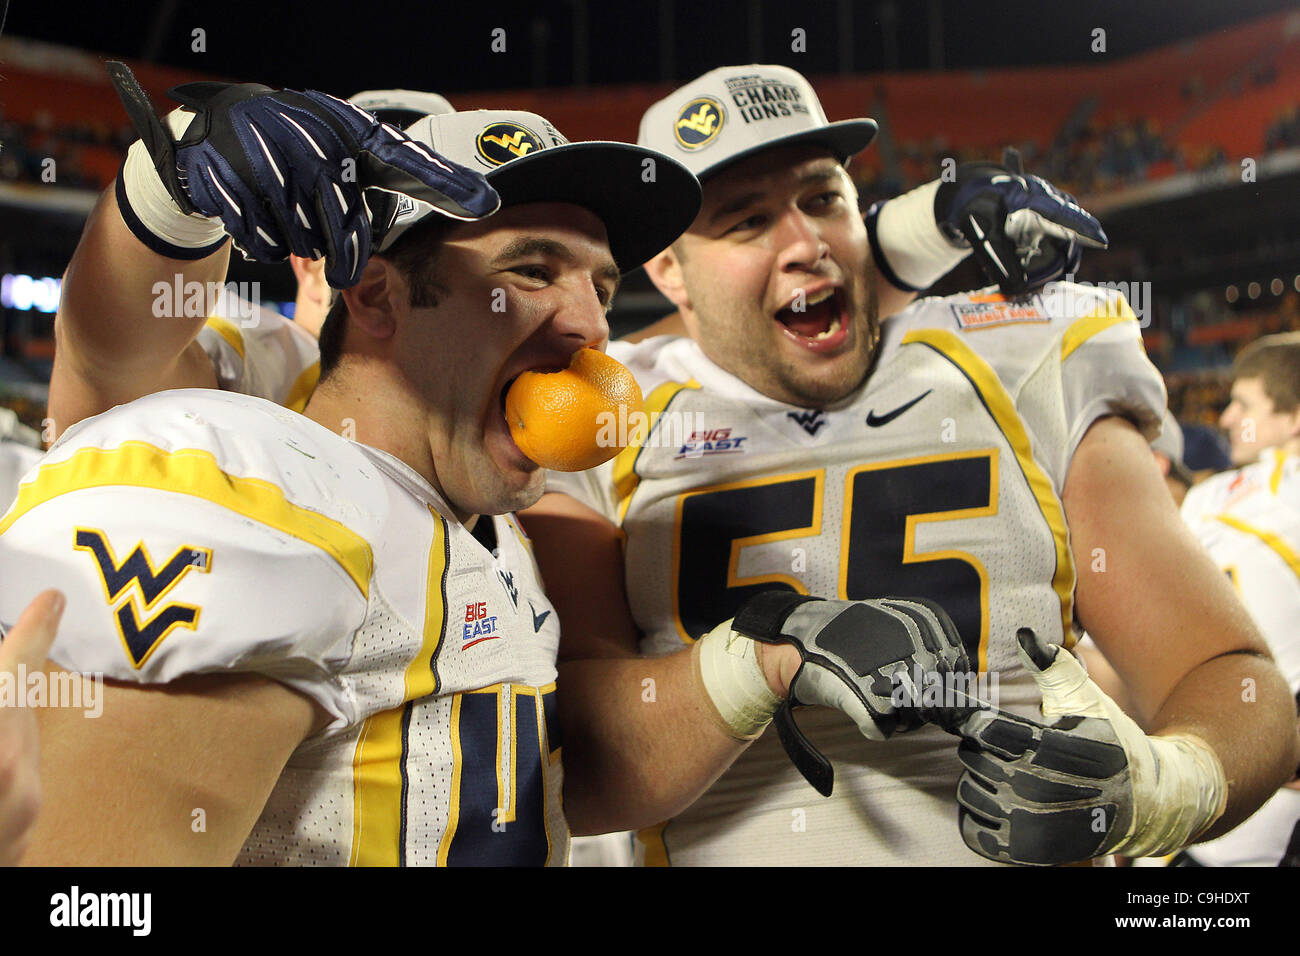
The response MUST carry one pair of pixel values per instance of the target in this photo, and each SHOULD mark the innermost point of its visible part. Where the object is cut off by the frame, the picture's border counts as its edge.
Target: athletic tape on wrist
(150, 212)
(910, 250)
(729, 666)
(1179, 788)
(1189, 793)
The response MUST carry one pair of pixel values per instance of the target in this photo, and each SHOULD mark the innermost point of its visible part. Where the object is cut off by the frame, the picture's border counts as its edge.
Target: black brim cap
(733, 112)
(644, 198)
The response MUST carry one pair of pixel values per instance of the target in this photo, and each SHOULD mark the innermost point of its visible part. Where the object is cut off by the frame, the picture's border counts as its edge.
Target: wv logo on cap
(141, 638)
(502, 142)
(699, 122)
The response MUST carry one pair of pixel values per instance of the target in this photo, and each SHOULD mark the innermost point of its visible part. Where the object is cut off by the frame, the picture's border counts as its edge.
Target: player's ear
(373, 303)
(665, 271)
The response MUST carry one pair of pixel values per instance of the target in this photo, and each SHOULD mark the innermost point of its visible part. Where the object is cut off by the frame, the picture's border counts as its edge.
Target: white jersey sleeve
(263, 354)
(163, 520)
(1066, 358)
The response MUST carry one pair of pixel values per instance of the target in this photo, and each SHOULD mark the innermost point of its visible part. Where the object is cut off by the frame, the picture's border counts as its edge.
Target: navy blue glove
(1023, 231)
(302, 173)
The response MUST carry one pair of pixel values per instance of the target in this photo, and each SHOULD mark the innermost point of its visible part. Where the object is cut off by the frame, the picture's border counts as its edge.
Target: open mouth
(819, 321)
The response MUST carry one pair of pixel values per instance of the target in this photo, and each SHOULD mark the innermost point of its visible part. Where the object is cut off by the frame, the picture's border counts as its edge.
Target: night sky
(434, 45)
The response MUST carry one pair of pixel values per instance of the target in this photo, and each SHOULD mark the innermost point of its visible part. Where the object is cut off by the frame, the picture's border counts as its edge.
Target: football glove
(1023, 231)
(284, 172)
(860, 657)
(1085, 782)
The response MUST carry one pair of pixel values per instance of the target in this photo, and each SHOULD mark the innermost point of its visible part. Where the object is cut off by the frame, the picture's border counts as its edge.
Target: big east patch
(479, 626)
(713, 442)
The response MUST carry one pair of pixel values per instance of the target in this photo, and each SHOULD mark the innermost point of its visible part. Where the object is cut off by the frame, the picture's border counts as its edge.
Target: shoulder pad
(197, 531)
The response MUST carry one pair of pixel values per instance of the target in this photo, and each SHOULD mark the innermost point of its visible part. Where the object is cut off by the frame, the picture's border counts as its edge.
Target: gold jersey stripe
(192, 471)
(453, 795)
(421, 677)
(1091, 324)
(1273, 541)
(1002, 409)
(1275, 479)
(625, 476)
(379, 762)
(303, 386)
(377, 791)
(228, 331)
(656, 851)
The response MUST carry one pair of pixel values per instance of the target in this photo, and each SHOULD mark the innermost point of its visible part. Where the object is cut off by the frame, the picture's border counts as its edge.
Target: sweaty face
(1252, 422)
(776, 269)
(523, 289)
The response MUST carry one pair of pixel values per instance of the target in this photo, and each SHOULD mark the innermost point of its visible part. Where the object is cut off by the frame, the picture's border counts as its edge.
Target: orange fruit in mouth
(576, 418)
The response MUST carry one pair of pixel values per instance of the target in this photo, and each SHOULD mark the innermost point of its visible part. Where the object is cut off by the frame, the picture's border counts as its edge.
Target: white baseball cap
(401, 108)
(734, 111)
(645, 199)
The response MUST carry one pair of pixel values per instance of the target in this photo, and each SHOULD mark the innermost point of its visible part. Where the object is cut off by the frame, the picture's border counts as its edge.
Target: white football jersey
(1249, 521)
(940, 477)
(198, 531)
(264, 354)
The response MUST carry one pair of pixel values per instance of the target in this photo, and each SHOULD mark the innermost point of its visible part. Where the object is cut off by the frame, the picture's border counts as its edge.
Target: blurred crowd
(79, 151)
(1085, 158)
(1285, 132)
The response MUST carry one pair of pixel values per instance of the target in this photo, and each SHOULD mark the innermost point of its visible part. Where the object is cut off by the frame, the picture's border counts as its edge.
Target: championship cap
(734, 111)
(401, 108)
(646, 200)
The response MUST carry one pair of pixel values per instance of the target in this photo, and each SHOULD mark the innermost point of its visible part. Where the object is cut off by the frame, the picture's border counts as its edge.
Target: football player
(327, 651)
(986, 452)
(1264, 410)
(1248, 519)
(112, 346)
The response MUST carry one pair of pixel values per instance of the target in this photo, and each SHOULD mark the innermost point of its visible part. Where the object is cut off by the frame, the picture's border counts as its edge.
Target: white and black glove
(280, 172)
(1023, 231)
(859, 657)
(1083, 783)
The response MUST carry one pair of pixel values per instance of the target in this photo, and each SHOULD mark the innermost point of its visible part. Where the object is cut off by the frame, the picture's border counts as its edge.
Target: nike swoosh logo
(874, 421)
(538, 621)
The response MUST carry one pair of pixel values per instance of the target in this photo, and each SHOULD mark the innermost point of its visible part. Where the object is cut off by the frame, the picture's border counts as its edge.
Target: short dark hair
(415, 254)
(1274, 359)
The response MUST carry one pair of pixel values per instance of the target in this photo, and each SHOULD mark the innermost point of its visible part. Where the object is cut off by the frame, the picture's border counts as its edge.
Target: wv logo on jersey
(699, 122)
(810, 421)
(502, 142)
(136, 575)
(508, 582)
